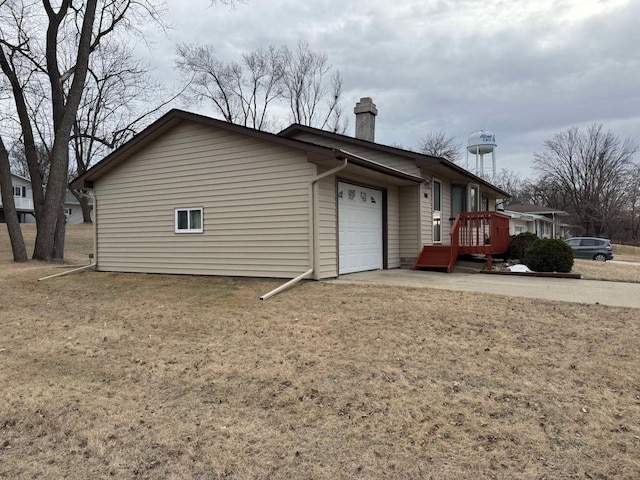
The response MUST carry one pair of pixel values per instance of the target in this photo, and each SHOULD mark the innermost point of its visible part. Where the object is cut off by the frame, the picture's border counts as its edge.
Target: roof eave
(172, 118)
(378, 167)
(421, 159)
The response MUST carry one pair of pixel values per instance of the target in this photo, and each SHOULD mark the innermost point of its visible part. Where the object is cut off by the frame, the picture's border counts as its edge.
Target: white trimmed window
(188, 220)
(20, 192)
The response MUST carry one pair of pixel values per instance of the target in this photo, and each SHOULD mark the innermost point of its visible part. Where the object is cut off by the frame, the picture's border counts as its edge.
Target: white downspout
(312, 231)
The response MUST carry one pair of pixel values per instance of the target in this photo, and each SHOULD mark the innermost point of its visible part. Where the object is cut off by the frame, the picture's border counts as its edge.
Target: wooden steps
(435, 256)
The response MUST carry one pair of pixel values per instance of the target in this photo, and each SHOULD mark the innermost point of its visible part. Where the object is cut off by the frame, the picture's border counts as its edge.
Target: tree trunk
(84, 206)
(9, 208)
(48, 243)
(58, 246)
(86, 209)
(50, 237)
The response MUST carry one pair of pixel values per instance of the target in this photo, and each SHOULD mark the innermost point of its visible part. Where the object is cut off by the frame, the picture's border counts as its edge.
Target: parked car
(591, 248)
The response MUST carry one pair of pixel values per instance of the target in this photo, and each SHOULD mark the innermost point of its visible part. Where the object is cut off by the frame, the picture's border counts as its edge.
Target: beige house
(195, 195)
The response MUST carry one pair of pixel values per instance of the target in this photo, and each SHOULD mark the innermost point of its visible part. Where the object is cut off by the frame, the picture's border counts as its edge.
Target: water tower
(480, 143)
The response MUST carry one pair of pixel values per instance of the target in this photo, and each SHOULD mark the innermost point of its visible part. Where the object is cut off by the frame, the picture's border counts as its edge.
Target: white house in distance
(23, 199)
(195, 195)
(543, 221)
(72, 209)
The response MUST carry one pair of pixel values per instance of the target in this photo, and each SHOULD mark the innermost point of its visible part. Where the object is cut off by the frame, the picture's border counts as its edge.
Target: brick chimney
(366, 112)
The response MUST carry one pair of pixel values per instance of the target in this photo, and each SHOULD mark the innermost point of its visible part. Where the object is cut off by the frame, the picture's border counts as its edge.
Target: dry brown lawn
(110, 375)
(615, 272)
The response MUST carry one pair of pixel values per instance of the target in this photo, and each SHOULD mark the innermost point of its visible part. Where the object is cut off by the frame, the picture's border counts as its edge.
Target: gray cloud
(524, 70)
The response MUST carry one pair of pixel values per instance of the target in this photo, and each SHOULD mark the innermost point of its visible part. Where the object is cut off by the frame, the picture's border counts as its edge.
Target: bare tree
(240, 92)
(440, 145)
(306, 88)
(631, 227)
(512, 183)
(247, 91)
(9, 208)
(60, 57)
(18, 160)
(118, 88)
(590, 167)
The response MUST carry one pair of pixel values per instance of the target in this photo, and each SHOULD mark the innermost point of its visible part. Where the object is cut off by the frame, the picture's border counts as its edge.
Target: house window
(67, 213)
(485, 203)
(188, 220)
(437, 195)
(473, 198)
(20, 192)
(437, 211)
(458, 199)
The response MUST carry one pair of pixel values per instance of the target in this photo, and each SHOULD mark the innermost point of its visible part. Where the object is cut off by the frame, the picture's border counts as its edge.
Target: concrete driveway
(563, 289)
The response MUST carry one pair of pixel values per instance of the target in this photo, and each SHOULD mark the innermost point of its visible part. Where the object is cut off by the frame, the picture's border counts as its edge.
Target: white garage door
(360, 228)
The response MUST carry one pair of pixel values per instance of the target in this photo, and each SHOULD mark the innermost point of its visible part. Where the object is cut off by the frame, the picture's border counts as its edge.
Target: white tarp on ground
(519, 268)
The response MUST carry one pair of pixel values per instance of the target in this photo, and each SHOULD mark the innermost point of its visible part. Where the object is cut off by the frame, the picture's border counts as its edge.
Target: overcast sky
(523, 69)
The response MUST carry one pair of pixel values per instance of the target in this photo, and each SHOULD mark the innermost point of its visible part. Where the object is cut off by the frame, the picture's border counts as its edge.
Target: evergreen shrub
(519, 244)
(549, 255)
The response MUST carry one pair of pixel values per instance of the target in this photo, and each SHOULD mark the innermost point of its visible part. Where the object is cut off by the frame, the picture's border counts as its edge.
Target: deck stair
(478, 233)
(434, 256)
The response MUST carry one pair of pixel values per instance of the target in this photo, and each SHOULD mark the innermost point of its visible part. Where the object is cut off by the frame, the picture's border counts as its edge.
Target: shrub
(519, 244)
(549, 255)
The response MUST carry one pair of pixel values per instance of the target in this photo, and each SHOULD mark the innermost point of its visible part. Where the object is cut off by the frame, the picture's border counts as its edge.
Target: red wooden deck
(478, 233)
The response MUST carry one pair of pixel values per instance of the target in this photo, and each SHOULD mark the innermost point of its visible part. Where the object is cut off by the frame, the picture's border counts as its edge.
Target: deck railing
(22, 203)
(481, 233)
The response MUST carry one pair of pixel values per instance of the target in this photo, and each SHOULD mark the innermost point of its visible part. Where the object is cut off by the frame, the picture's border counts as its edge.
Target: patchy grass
(110, 375)
(627, 253)
(608, 271)
(613, 272)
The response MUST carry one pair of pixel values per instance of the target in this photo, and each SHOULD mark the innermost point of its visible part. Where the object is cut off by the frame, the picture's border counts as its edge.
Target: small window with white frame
(188, 220)
(19, 192)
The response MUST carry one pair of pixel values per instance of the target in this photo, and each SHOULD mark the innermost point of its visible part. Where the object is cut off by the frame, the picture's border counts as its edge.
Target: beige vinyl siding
(446, 212)
(254, 196)
(394, 161)
(327, 228)
(393, 227)
(410, 222)
(426, 213)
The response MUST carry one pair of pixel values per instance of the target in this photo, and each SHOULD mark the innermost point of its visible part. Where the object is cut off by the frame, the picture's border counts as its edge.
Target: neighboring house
(543, 221)
(23, 199)
(195, 195)
(72, 210)
(529, 222)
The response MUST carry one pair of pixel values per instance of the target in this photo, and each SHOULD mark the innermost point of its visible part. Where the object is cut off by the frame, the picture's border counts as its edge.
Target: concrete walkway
(563, 289)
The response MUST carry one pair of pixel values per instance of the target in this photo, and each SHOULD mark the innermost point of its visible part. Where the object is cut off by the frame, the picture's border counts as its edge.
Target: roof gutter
(313, 227)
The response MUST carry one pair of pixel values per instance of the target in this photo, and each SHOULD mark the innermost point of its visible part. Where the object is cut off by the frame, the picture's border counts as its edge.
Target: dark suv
(591, 248)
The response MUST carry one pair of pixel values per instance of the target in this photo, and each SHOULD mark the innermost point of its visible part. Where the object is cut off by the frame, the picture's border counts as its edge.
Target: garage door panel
(360, 228)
